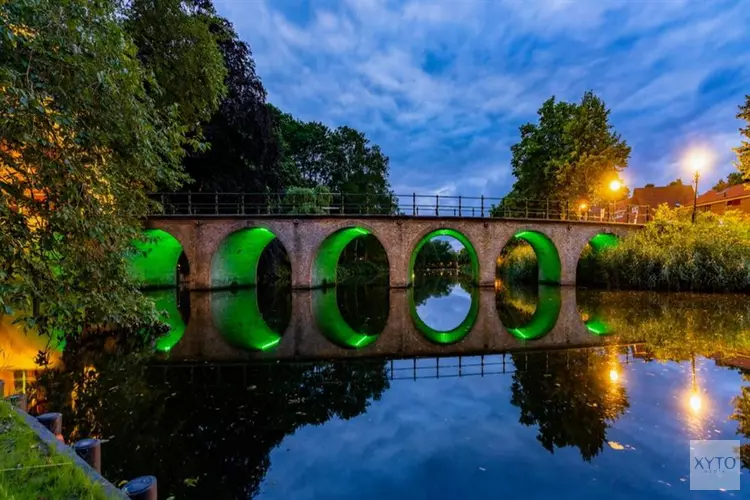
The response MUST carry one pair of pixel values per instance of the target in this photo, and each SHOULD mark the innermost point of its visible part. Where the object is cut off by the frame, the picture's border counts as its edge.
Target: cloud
(444, 86)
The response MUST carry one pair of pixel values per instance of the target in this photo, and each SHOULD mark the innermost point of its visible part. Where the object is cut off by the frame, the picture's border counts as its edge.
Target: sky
(443, 86)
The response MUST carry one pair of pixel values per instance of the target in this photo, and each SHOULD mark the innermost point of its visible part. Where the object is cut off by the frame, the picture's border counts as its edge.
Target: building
(641, 205)
(733, 198)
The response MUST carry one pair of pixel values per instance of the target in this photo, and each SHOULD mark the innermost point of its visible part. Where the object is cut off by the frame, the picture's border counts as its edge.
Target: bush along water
(672, 253)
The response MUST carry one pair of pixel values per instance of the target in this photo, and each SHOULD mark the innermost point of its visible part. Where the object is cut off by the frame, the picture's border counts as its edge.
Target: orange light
(583, 206)
(615, 185)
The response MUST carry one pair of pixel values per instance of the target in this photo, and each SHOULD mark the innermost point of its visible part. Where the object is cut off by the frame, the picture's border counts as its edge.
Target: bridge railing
(356, 204)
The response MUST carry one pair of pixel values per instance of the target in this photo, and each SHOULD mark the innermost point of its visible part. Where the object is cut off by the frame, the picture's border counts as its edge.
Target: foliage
(244, 139)
(571, 154)
(176, 44)
(436, 254)
(28, 466)
(302, 200)
(742, 415)
(670, 253)
(343, 160)
(81, 142)
(743, 151)
(733, 179)
(518, 263)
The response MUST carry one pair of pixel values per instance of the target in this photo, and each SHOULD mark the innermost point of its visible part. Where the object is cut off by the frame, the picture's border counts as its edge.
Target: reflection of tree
(742, 416)
(200, 431)
(675, 326)
(516, 305)
(275, 305)
(365, 308)
(573, 404)
(429, 285)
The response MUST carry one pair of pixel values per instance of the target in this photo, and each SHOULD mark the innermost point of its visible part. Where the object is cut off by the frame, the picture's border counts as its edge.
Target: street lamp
(698, 161)
(614, 186)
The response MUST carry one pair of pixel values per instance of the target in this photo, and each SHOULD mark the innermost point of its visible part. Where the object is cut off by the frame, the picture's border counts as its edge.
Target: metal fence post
(242, 203)
(367, 204)
(527, 208)
(546, 210)
(216, 203)
(190, 203)
(390, 204)
(437, 204)
(459, 205)
(414, 203)
(482, 206)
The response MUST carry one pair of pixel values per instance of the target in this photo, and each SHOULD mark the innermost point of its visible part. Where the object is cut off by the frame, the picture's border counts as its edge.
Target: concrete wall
(302, 237)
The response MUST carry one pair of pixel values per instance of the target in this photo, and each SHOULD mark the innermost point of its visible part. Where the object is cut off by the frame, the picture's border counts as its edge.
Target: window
(733, 203)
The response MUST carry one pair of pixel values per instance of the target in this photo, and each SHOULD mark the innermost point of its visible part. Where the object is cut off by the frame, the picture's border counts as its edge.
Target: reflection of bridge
(228, 326)
(224, 251)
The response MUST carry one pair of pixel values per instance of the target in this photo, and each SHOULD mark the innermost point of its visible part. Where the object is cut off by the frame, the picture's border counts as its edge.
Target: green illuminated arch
(603, 241)
(446, 232)
(169, 312)
(235, 262)
(327, 259)
(237, 316)
(598, 326)
(450, 336)
(333, 325)
(545, 316)
(546, 255)
(154, 262)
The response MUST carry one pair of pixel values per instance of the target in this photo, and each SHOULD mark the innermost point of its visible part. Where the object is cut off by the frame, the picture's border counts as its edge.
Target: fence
(348, 204)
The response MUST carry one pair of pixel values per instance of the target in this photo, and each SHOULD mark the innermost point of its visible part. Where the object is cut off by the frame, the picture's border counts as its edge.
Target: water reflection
(443, 308)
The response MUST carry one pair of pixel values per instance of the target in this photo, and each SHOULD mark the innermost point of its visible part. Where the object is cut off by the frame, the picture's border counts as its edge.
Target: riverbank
(30, 470)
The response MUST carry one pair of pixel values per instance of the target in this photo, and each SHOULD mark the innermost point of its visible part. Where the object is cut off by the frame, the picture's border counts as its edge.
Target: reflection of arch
(545, 316)
(235, 262)
(333, 325)
(596, 325)
(546, 255)
(604, 240)
(327, 257)
(154, 263)
(169, 312)
(451, 336)
(445, 232)
(237, 316)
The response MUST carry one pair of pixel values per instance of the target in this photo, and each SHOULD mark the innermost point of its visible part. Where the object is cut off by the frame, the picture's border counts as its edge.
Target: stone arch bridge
(223, 251)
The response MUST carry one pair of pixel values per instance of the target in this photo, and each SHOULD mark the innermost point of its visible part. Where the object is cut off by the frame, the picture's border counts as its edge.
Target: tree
(743, 152)
(733, 179)
(244, 141)
(676, 182)
(81, 143)
(176, 44)
(571, 154)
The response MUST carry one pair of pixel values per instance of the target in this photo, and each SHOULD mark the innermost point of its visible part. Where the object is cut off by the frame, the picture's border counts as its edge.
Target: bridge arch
(167, 303)
(545, 316)
(235, 262)
(548, 258)
(325, 262)
(237, 316)
(444, 231)
(446, 337)
(333, 325)
(156, 259)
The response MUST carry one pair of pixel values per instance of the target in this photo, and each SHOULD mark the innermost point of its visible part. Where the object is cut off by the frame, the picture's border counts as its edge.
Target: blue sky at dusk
(442, 87)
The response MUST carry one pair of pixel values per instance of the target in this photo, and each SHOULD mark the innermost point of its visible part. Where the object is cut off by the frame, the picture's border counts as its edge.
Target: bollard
(19, 401)
(90, 450)
(52, 421)
(141, 488)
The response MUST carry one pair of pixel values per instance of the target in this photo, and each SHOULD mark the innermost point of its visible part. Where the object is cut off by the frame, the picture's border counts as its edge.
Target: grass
(30, 470)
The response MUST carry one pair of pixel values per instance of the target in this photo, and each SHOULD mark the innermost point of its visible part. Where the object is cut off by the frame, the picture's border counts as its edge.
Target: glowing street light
(614, 376)
(695, 402)
(615, 185)
(698, 160)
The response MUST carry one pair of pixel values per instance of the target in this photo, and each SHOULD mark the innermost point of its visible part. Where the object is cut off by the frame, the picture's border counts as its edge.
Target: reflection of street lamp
(695, 402)
(698, 161)
(614, 376)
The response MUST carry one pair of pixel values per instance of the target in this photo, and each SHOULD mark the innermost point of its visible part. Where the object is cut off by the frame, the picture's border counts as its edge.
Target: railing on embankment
(409, 205)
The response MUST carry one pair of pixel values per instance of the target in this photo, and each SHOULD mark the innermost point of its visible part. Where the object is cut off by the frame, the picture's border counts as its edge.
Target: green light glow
(235, 262)
(154, 262)
(546, 256)
(450, 336)
(333, 325)
(598, 327)
(169, 313)
(603, 241)
(238, 318)
(454, 234)
(327, 258)
(545, 316)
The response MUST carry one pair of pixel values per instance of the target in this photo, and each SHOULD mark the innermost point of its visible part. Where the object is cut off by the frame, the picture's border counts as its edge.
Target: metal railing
(410, 205)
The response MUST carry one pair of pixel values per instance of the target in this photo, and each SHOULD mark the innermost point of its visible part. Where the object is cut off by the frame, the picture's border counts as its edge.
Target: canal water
(438, 392)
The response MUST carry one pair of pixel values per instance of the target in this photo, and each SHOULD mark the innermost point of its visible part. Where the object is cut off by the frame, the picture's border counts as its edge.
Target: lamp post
(614, 186)
(698, 161)
(695, 194)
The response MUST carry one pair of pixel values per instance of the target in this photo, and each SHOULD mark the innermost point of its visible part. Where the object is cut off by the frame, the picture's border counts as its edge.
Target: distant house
(640, 206)
(733, 198)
